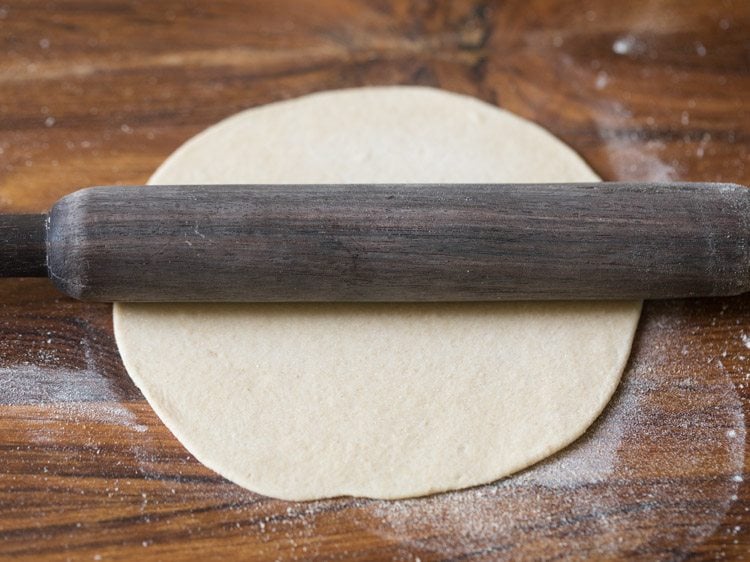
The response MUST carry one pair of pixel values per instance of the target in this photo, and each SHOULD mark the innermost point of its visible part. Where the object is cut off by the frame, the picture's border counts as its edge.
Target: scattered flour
(628, 45)
(597, 497)
(615, 491)
(624, 45)
(67, 395)
(602, 79)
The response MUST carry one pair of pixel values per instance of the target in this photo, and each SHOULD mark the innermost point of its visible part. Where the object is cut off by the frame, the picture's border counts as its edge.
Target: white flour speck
(623, 45)
(602, 79)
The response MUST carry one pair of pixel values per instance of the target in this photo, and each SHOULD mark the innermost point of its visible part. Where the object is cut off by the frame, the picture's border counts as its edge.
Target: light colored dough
(378, 400)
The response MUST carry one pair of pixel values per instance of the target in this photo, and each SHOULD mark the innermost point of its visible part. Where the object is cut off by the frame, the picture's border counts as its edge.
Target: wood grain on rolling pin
(418, 242)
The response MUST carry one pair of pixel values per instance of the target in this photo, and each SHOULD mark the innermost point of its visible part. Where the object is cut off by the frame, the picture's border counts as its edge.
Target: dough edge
(205, 457)
(237, 477)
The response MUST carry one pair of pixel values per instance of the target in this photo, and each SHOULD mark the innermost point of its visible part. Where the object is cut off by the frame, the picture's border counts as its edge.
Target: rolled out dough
(387, 401)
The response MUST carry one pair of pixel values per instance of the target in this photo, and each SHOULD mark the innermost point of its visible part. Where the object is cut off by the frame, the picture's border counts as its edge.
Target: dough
(380, 400)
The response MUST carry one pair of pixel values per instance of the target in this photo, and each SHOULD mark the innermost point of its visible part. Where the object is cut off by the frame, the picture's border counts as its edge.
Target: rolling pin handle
(23, 245)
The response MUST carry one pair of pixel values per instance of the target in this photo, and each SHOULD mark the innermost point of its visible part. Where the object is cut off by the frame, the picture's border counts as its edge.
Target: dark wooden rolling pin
(387, 242)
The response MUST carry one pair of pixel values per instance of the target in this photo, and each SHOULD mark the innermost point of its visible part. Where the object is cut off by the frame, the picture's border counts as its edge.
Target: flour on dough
(304, 401)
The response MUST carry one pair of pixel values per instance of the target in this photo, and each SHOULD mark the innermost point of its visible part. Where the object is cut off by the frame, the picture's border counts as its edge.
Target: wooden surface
(407, 243)
(99, 92)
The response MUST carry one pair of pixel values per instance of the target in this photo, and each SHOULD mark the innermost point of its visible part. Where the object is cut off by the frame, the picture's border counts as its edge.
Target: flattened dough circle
(386, 401)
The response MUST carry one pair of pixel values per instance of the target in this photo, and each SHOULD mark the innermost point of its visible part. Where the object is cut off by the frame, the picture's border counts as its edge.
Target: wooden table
(100, 92)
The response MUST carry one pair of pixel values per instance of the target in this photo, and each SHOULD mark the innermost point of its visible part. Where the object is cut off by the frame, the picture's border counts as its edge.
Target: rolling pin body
(400, 242)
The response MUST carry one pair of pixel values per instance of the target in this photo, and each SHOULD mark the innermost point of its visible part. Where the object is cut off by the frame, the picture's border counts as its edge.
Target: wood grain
(95, 93)
(406, 243)
(23, 245)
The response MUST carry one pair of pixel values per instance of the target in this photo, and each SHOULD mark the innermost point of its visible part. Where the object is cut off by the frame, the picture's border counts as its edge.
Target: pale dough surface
(378, 400)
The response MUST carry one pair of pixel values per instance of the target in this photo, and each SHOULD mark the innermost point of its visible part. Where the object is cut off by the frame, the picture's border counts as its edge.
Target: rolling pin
(416, 242)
